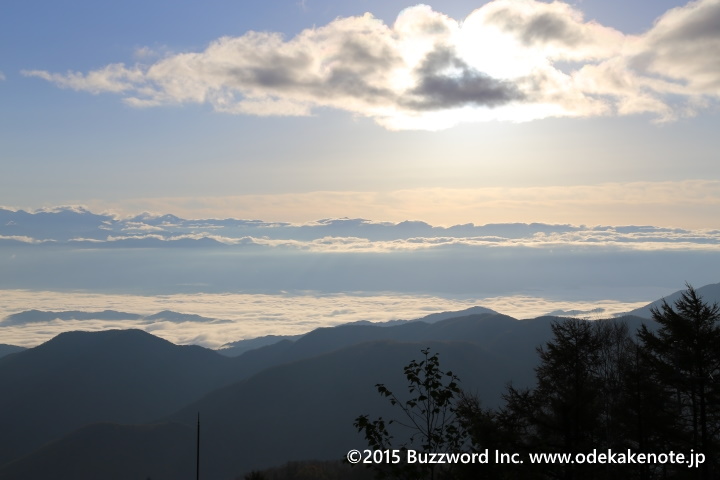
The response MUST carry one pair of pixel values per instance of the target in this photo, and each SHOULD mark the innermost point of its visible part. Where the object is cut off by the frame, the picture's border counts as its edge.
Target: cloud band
(508, 60)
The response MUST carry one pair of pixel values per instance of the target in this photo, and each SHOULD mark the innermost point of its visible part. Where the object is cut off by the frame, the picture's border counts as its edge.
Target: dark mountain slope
(709, 293)
(295, 411)
(233, 349)
(302, 408)
(305, 409)
(112, 452)
(494, 332)
(131, 376)
(8, 349)
(79, 378)
(238, 348)
(436, 317)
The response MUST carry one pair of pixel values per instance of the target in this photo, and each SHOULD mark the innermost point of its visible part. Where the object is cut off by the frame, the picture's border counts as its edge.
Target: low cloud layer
(513, 60)
(248, 316)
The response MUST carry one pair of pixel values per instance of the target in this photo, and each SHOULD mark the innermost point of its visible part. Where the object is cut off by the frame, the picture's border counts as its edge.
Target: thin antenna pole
(197, 453)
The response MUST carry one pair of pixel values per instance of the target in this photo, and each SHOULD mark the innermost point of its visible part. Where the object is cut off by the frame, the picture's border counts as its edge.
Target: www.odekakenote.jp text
(609, 456)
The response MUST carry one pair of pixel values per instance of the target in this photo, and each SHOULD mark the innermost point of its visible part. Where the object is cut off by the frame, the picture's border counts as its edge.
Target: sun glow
(494, 52)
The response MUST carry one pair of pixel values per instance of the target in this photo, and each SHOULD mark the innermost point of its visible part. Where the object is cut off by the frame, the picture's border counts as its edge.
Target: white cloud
(254, 315)
(141, 227)
(430, 71)
(602, 238)
(684, 46)
(2, 76)
(80, 209)
(23, 239)
(115, 78)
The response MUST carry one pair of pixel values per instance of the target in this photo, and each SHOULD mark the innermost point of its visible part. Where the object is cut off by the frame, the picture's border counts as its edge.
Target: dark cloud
(701, 23)
(547, 27)
(446, 81)
(685, 45)
(344, 82)
(539, 28)
(275, 76)
(365, 56)
(346, 72)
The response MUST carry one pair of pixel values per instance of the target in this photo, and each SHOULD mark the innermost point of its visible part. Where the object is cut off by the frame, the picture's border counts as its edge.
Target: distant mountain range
(39, 316)
(709, 293)
(236, 348)
(8, 349)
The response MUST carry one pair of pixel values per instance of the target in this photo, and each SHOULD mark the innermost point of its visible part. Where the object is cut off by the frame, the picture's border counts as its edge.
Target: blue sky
(87, 143)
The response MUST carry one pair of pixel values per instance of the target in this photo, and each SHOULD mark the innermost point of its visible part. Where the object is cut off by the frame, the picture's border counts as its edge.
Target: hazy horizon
(249, 278)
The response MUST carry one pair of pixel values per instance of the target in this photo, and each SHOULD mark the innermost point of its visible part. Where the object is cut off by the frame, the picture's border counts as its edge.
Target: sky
(592, 112)
(595, 119)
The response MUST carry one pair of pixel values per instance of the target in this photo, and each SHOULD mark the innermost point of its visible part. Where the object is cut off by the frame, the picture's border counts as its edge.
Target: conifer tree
(684, 354)
(577, 403)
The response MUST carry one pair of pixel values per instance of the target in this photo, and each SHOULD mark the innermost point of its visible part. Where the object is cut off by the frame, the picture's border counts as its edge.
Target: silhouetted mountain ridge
(243, 346)
(39, 316)
(8, 349)
(79, 378)
(709, 293)
(36, 316)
